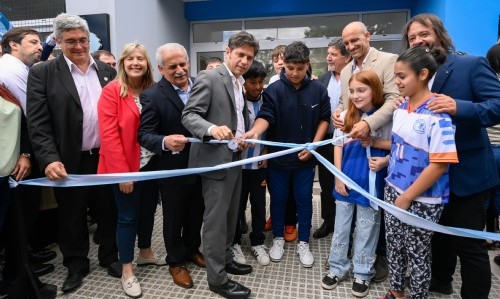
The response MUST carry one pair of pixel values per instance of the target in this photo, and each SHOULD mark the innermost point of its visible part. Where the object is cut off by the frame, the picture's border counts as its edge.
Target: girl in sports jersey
(423, 146)
(352, 157)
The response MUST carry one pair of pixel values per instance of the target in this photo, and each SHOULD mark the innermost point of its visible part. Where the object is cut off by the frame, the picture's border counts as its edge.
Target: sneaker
(360, 288)
(276, 251)
(305, 255)
(269, 225)
(290, 233)
(381, 269)
(261, 255)
(238, 254)
(330, 281)
(131, 287)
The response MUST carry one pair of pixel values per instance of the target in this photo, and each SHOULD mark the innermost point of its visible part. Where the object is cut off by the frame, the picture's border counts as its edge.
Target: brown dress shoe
(198, 259)
(181, 277)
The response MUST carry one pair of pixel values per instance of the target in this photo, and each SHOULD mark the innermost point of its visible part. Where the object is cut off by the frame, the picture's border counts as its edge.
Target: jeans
(365, 240)
(128, 207)
(279, 185)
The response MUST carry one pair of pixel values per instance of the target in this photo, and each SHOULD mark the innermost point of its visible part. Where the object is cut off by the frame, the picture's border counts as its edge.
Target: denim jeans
(128, 208)
(365, 240)
(279, 185)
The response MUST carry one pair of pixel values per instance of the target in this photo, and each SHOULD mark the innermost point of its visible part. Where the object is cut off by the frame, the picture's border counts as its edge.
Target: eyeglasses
(72, 43)
(173, 67)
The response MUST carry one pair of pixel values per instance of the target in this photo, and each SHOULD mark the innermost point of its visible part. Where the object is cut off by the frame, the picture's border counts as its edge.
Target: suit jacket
(161, 116)
(382, 64)
(118, 125)
(474, 86)
(54, 112)
(211, 102)
(325, 79)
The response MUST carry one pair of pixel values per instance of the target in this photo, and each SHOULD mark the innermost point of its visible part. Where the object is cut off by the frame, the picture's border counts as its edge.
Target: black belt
(94, 151)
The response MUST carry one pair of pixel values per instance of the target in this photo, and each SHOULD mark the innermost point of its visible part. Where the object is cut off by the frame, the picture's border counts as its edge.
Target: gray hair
(339, 44)
(64, 22)
(169, 47)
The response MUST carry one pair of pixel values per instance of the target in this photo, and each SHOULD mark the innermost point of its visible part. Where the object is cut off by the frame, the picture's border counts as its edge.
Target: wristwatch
(26, 155)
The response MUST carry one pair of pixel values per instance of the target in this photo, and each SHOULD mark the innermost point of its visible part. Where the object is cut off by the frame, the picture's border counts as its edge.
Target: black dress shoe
(231, 289)
(41, 269)
(323, 231)
(238, 269)
(73, 281)
(115, 269)
(445, 289)
(41, 256)
(47, 291)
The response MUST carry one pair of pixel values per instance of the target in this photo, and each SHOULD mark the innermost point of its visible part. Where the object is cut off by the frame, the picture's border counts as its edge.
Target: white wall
(89, 7)
(149, 22)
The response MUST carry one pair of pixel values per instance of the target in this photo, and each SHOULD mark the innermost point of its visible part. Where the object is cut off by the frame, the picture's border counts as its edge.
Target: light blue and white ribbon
(402, 215)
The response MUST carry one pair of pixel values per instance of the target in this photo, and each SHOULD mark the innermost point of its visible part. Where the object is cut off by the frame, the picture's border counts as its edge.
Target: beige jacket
(382, 63)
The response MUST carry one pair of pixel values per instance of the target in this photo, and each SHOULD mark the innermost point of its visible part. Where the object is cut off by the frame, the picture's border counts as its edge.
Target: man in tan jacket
(357, 41)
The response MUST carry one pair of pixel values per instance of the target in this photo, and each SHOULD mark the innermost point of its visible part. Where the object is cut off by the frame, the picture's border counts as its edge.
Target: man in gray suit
(216, 109)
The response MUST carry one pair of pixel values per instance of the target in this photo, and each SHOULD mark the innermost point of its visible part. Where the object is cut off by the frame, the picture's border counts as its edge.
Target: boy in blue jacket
(295, 110)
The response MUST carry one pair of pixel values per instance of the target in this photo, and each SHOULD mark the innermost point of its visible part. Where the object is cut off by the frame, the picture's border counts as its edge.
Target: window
(316, 31)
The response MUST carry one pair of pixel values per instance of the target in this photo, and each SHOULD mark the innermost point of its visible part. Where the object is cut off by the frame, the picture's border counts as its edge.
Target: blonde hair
(147, 79)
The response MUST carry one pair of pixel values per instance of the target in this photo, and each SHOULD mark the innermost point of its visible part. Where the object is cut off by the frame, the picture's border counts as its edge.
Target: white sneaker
(131, 287)
(276, 251)
(238, 254)
(261, 255)
(305, 255)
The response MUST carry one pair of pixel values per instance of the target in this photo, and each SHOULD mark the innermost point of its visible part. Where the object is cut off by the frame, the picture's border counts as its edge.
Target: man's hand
(55, 171)
(443, 104)
(337, 122)
(359, 130)
(397, 102)
(221, 133)
(22, 169)
(175, 142)
(304, 155)
(248, 135)
(127, 187)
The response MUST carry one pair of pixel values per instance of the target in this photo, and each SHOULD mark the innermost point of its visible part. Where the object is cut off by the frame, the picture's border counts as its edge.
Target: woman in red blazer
(119, 116)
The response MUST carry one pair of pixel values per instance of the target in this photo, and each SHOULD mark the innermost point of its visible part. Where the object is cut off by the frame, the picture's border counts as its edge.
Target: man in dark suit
(216, 109)
(161, 132)
(337, 59)
(468, 89)
(62, 97)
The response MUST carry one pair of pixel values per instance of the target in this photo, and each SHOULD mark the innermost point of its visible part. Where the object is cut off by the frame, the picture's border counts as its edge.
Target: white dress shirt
(89, 90)
(14, 77)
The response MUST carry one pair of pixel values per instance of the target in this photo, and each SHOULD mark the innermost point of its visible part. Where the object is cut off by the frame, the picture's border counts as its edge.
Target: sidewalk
(286, 279)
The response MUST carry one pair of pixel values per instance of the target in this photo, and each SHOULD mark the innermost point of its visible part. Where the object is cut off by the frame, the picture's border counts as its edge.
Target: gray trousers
(222, 200)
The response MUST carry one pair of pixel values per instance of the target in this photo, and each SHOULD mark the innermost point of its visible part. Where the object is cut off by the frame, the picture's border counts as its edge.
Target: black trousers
(327, 182)
(73, 233)
(252, 186)
(466, 212)
(182, 219)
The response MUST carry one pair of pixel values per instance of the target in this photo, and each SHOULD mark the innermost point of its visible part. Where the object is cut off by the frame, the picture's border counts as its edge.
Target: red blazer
(118, 125)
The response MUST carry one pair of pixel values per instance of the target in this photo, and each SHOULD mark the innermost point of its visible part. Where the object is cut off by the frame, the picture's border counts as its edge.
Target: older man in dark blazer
(216, 108)
(62, 97)
(161, 132)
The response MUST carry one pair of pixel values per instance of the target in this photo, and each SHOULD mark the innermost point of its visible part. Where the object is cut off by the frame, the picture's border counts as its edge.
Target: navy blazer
(161, 116)
(474, 86)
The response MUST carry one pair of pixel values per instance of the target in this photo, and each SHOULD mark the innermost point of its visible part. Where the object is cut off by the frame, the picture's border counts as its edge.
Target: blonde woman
(119, 116)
